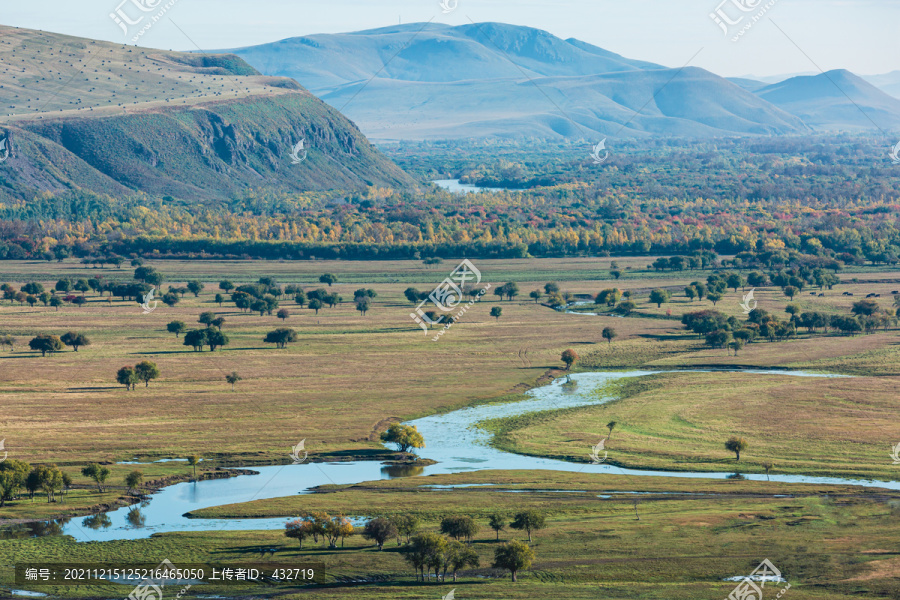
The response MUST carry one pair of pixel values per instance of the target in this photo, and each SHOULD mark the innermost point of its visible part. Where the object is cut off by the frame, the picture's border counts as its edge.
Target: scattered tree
(737, 445)
(529, 520)
(405, 436)
(145, 371)
(193, 461)
(459, 527)
(45, 344)
(658, 297)
(233, 378)
(611, 425)
(379, 530)
(281, 337)
(195, 287)
(127, 376)
(134, 480)
(98, 473)
(609, 334)
(75, 340)
(176, 327)
(569, 357)
(513, 556)
(496, 312)
(497, 522)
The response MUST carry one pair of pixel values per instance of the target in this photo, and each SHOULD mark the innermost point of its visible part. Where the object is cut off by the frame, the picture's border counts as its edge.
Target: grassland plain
(349, 375)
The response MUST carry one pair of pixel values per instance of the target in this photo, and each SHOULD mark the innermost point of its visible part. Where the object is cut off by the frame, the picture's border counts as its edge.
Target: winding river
(452, 440)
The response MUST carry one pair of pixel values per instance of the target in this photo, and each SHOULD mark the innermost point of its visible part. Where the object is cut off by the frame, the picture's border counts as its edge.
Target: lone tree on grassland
(569, 357)
(529, 520)
(496, 312)
(233, 378)
(405, 436)
(328, 278)
(737, 445)
(283, 314)
(611, 425)
(513, 556)
(609, 334)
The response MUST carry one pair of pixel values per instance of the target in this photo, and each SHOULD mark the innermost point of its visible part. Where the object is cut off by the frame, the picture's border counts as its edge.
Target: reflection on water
(96, 522)
(136, 518)
(22, 531)
(398, 471)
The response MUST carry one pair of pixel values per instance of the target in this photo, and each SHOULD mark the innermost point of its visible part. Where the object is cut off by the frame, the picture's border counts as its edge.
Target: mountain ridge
(433, 81)
(166, 123)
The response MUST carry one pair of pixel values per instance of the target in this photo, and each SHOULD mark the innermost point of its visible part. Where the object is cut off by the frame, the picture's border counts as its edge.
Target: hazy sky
(859, 35)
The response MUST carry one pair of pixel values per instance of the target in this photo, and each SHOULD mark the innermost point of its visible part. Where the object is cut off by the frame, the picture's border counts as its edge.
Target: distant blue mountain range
(432, 81)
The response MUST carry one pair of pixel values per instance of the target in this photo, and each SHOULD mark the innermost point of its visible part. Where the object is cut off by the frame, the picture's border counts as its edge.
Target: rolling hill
(113, 119)
(836, 100)
(889, 83)
(434, 81)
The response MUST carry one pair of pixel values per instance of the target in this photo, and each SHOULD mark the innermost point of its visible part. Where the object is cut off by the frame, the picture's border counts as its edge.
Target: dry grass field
(348, 374)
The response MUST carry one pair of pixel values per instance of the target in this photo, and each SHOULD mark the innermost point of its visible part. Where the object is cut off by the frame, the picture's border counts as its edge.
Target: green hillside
(116, 119)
